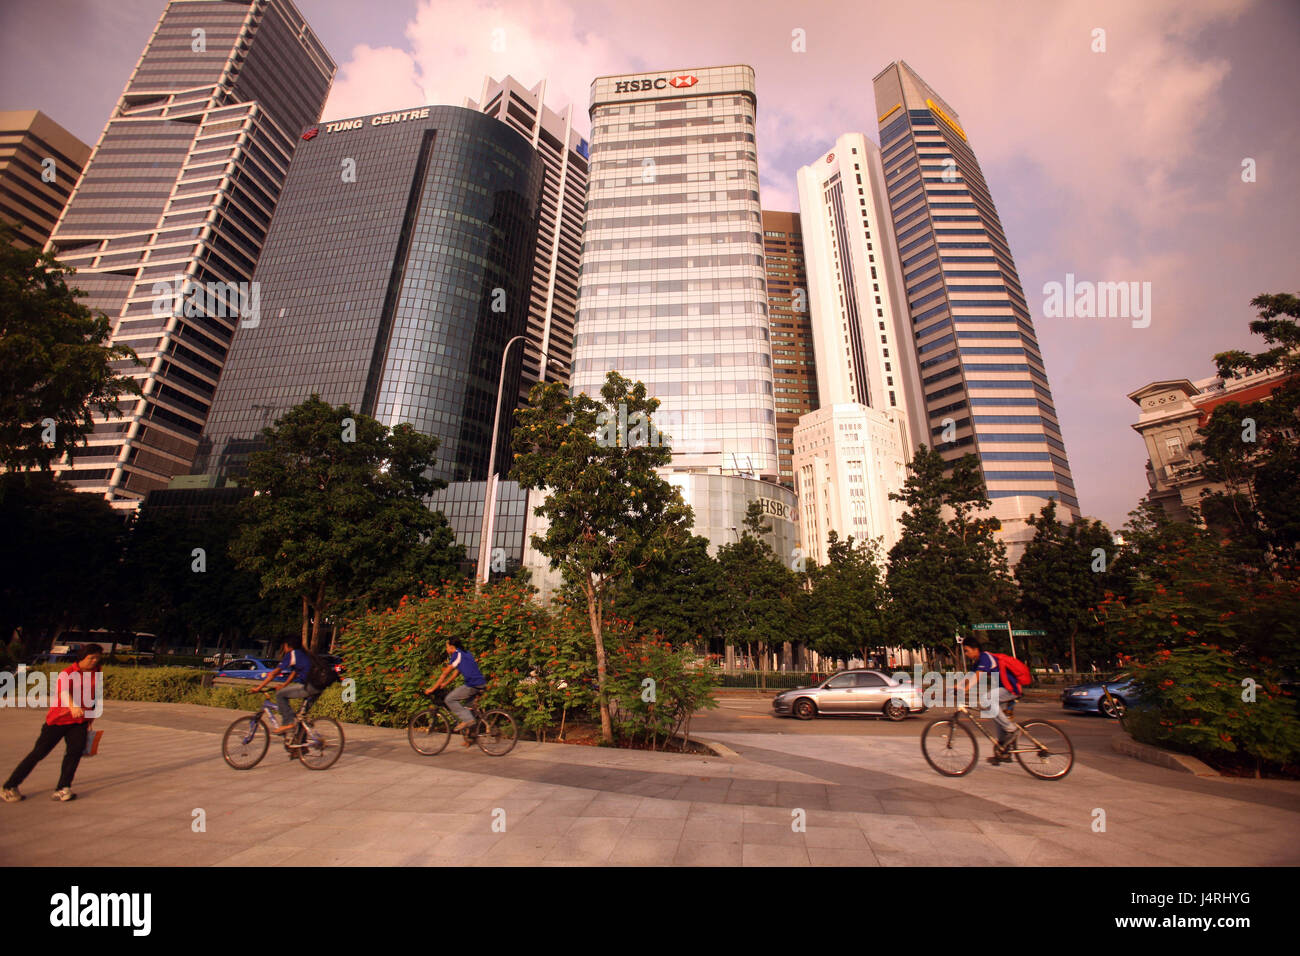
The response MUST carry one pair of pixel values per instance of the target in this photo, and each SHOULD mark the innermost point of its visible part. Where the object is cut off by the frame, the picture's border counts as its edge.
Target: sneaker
(11, 795)
(64, 795)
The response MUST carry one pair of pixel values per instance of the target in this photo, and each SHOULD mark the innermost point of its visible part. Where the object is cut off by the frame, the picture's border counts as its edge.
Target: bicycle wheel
(429, 731)
(1052, 754)
(497, 733)
(949, 747)
(323, 744)
(245, 742)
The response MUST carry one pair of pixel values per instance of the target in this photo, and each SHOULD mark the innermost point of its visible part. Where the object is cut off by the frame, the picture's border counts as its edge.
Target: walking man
(76, 692)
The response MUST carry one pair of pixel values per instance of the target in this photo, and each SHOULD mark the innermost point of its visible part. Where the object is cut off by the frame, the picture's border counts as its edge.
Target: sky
(1113, 156)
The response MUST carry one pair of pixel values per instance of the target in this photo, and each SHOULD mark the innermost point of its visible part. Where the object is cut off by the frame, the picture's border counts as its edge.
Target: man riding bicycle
(1000, 700)
(296, 664)
(463, 661)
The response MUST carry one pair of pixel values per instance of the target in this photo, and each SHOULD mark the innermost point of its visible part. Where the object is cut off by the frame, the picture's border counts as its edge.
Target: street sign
(990, 627)
(1020, 633)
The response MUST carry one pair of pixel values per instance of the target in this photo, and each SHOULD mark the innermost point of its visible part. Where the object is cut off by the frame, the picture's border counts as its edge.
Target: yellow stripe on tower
(937, 110)
(885, 116)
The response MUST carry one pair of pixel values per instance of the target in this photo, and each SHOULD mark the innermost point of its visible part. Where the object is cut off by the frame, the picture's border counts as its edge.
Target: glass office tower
(672, 290)
(794, 368)
(394, 292)
(179, 190)
(554, 303)
(982, 373)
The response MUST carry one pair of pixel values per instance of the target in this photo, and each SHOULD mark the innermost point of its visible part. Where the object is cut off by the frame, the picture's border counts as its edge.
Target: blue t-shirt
(463, 661)
(299, 663)
(988, 663)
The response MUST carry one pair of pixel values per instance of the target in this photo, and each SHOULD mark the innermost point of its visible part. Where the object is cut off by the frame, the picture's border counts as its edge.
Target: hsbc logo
(830, 157)
(311, 133)
(659, 83)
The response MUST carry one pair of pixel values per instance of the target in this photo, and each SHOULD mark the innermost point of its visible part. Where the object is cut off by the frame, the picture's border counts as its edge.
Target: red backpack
(1017, 669)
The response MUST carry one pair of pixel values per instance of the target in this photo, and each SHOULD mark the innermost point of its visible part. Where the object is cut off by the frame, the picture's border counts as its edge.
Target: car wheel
(895, 710)
(1112, 707)
(805, 709)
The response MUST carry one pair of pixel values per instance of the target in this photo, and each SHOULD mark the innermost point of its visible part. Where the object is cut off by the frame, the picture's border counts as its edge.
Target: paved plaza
(863, 800)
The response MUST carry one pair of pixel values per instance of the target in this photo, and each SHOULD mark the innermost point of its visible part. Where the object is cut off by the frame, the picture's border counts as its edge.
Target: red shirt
(85, 686)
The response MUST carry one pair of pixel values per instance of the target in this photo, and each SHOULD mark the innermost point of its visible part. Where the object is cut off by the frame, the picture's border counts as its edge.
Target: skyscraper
(40, 162)
(794, 366)
(553, 306)
(982, 373)
(180, 191)
(380, 289)
(672, 290)
(852, 454)
(673, 286)
(398, 265)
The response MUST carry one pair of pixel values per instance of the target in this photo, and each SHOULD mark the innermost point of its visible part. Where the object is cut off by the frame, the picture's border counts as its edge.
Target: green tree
(60, 557)
(678, 594)
(338, 520)
(609, 512)
(948, 569)
(1064, 575)
(760, 595)
(203, 598)
(1252, 450)
(845, 611)
(57, 368)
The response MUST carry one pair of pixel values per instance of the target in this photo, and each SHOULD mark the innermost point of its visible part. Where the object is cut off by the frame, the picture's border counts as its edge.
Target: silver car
(851, 692)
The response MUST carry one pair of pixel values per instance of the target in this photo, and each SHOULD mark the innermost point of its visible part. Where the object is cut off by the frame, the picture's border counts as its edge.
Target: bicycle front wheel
(429, 732)
(949, 747)
(497, 733)
(322, 743)
(245, 742)
(1044, 750)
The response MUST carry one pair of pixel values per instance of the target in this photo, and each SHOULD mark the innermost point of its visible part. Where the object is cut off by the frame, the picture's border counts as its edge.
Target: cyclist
(295, 664)
(1002, 697)
(463, 661)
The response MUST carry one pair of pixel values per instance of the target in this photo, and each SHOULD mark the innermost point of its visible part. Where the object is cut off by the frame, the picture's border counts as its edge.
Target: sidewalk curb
(719, 750)
(1162, 758)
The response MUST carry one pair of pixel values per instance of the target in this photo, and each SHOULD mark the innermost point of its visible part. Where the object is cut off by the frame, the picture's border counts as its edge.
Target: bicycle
(316, 742)
(430, 730)
(953, 754)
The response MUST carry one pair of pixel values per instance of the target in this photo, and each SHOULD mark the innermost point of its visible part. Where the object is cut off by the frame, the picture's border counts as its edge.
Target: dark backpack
(322, 674)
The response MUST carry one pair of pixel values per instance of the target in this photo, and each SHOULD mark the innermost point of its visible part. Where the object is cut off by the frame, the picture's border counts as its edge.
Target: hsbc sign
(679, 82)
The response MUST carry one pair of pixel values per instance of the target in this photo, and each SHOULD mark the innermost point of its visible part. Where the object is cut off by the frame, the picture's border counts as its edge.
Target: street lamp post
(490, 493)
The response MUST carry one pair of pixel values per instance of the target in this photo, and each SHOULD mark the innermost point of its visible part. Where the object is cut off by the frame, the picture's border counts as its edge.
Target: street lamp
(490, 493)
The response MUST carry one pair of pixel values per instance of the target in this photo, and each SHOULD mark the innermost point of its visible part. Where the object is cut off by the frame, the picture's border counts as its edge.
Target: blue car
(248, 668)
(1088, 698)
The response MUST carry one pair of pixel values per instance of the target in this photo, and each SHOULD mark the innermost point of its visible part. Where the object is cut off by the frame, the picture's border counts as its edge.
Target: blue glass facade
(396, 269)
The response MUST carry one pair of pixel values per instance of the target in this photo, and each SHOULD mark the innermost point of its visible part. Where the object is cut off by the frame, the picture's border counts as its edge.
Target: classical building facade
(1172, 411)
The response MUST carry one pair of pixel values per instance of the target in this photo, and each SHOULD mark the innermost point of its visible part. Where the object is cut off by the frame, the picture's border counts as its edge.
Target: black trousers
(74, 735)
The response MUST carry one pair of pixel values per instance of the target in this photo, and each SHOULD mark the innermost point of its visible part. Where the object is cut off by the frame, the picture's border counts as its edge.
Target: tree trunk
(594, 611)
(1074, 663)
(306, 620)
(318, 619)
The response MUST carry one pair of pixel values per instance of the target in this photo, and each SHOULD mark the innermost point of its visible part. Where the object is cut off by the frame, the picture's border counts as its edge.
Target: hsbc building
(672, 290)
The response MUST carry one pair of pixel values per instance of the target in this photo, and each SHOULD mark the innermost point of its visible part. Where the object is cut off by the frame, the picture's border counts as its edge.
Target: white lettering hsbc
(383, 119)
